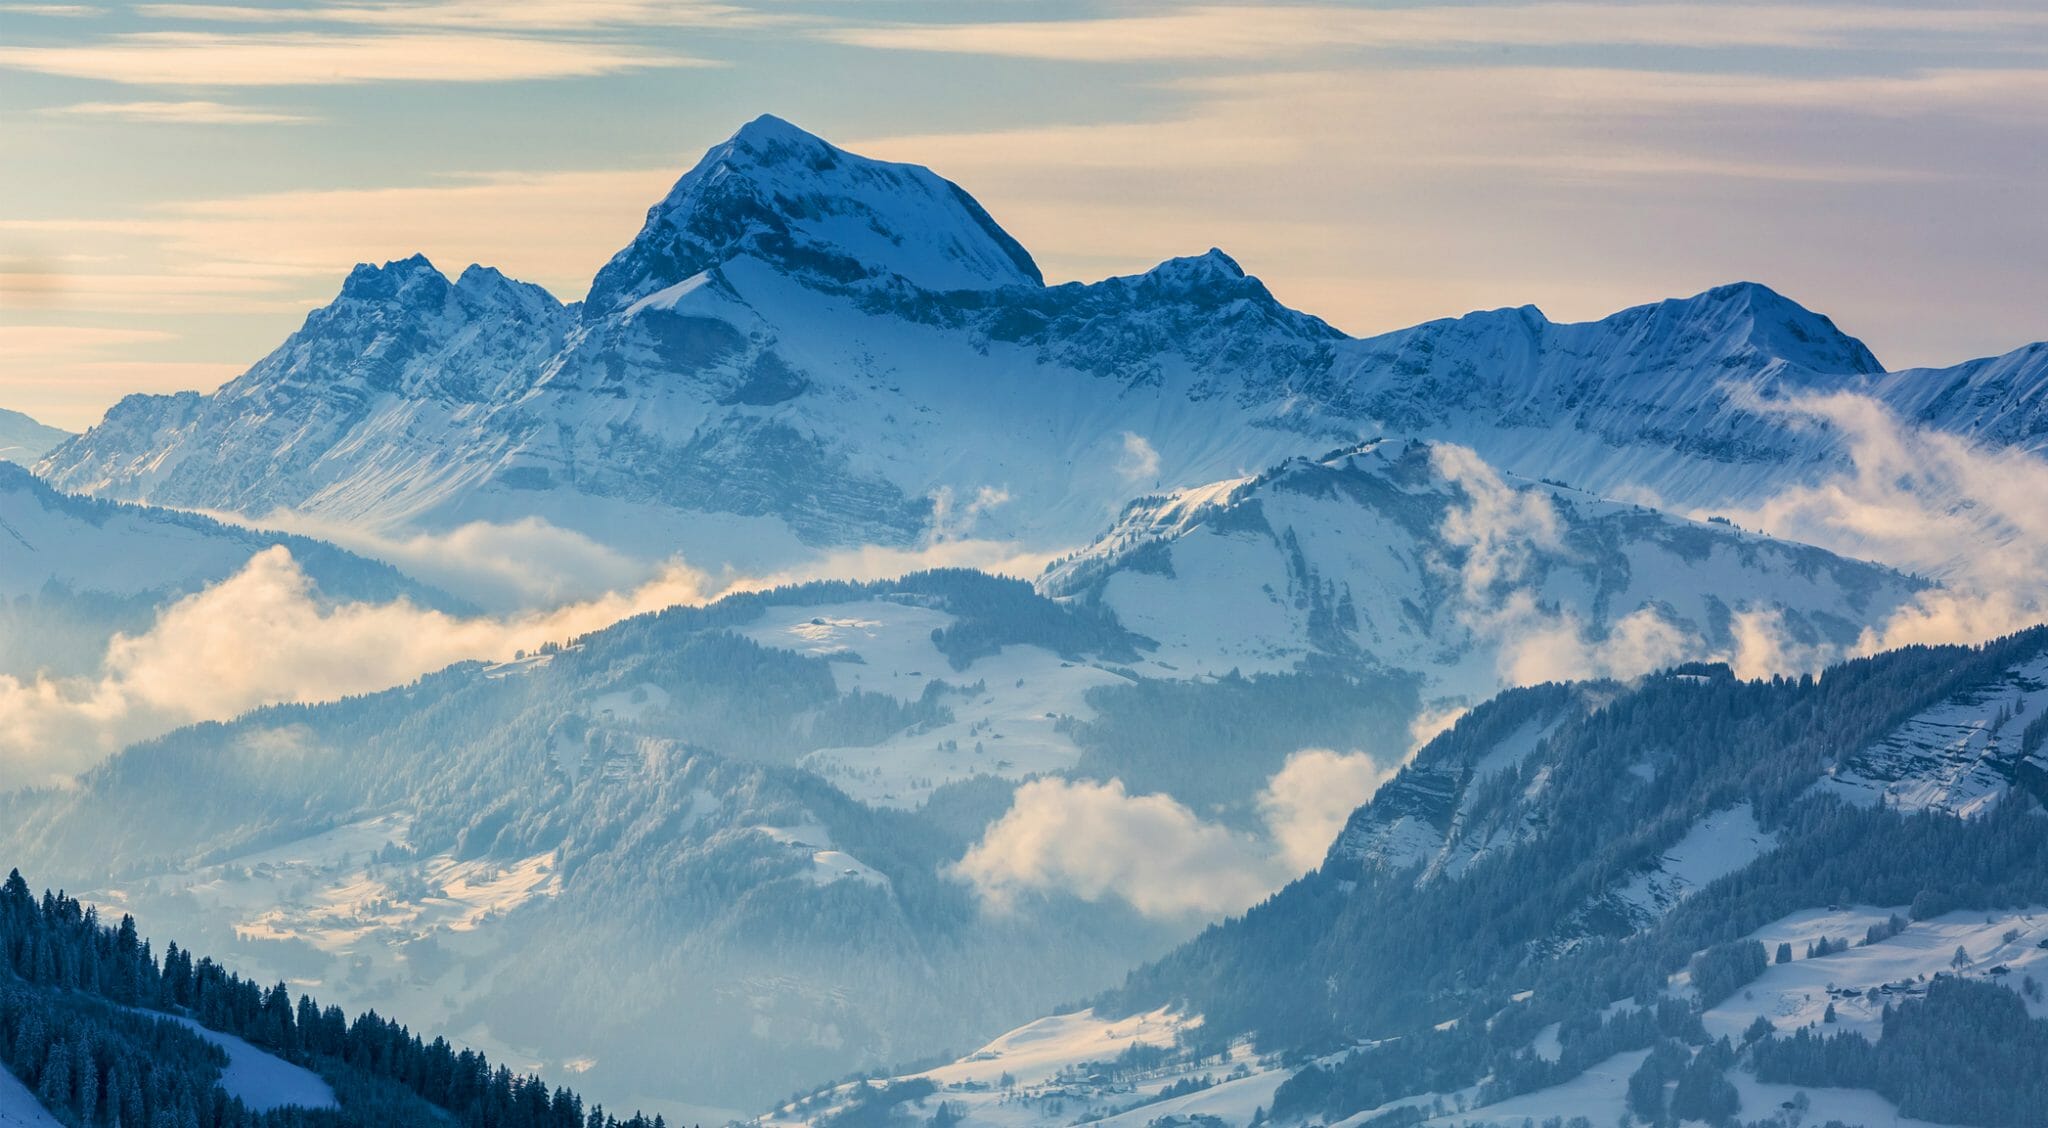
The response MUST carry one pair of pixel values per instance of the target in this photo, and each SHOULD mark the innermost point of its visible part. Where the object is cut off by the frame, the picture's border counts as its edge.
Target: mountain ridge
(24, 439)
(805, 350)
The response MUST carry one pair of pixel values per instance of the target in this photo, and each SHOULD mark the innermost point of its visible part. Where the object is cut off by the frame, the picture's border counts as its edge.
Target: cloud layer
(264, 636)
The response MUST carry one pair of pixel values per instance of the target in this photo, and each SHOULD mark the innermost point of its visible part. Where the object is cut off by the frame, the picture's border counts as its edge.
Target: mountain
(1998, 399)
(75, 570)
(778, 785)
(804, 349)
(550, 857)
(23, 440)
(401, 353)
(1819, 896)
(776, 194)
(1417, 557)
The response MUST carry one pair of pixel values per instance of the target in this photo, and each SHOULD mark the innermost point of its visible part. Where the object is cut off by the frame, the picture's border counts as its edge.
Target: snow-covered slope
(805, 349)
(776, 193)
(260, 1079)
(1959, 757)
(23, 440)
(1412, 556)
(2000, 399)
(360, 410)
(19, 1107)
(1646, 398)
(759, 834)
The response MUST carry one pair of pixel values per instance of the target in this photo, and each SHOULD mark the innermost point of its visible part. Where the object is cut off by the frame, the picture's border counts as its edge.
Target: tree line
(85, 1022)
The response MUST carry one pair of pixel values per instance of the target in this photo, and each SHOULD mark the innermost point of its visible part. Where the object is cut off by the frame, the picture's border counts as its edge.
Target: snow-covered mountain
(1336, 599)
(23, 440)
(1585, 892)
(1417, 557)
(805, 349)
(752, 804)
(2000, 399)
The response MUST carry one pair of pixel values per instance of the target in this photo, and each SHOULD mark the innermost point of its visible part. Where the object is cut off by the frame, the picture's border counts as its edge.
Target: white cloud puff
(1098, 842)
(1140, 460)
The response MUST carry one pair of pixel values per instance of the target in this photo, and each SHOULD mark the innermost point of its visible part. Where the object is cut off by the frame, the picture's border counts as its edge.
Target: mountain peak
(413, 280)
(832, 219)
(769, 130)
(1771, 324)
(1211, 264)
(24, 440)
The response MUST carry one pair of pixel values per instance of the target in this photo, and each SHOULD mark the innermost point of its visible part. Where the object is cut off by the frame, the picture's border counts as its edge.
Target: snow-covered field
(1713, 848)
(19, 1107)
(262, 1080)
(1007, 707)
(1055, 1070)
(1798, 993)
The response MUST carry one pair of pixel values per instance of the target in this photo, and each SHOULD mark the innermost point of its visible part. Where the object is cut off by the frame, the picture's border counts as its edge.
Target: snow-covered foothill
(262, 1080)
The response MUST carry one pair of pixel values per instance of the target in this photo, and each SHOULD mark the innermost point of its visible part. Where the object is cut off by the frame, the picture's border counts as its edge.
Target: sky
(182, 182)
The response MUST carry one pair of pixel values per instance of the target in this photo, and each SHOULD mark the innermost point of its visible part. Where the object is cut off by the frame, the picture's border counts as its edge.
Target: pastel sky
(181, 182)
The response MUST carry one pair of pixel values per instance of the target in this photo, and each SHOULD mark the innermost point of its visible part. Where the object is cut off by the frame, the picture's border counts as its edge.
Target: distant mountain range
(806, 349)
(23, 440)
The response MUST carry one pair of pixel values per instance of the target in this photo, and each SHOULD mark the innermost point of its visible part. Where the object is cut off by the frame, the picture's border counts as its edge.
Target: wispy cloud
(180, 113)
(60, 11)
(179, 58)
(32, 344)
(533, 15)
(283, 251)
(1252, 32)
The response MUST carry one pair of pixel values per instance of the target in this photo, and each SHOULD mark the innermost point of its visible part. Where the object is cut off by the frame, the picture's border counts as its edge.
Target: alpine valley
(1132, 701)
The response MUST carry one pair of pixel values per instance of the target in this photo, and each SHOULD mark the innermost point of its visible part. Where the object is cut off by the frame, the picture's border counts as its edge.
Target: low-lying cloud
(1501, 529)
(1930, 502)
(261, 637)
(266, 635)
(514, 566)
(1308, 801)
(1098, 842)
(1923, 501)
(1140, 460)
